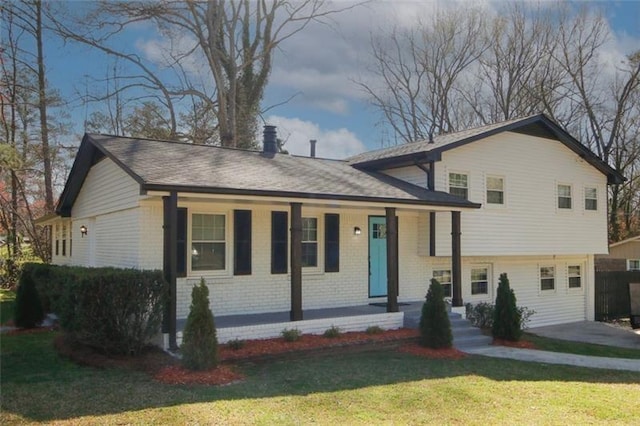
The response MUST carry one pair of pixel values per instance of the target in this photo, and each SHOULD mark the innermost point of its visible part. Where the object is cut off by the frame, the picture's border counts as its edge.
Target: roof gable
(423, 151)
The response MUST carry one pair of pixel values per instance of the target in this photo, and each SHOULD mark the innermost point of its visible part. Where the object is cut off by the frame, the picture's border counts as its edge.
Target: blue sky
(318, 65)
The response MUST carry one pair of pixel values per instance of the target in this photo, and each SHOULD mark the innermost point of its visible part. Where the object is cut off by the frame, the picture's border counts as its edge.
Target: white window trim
(572, 193)
(555, 279)
(459, 172)
(228, 260)
(582, 271)
(584, 199)
(504, 192)
(629, 264)
(320, 247)
(445, 269)
(483, 296)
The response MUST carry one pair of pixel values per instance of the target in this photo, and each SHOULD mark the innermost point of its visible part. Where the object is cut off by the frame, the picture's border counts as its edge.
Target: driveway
(591, 332)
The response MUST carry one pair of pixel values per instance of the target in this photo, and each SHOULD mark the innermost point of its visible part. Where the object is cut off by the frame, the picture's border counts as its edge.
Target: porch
(350, 318)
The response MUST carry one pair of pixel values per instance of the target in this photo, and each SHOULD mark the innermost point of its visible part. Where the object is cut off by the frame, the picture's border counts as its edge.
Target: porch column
(170, 264)
(392, 259)
(296, 262)
(456, 259)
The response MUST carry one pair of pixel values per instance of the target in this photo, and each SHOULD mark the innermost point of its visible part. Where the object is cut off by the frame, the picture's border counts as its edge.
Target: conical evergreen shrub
(506, 317)
(199, 343)
(435, 327)
(28, 311)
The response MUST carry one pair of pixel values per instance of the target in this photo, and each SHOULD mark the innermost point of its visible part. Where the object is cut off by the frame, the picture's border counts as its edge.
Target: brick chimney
(269, 142)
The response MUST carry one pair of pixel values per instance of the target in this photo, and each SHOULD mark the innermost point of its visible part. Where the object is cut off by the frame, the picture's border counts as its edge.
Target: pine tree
(200, 344)
(435, 327)
(28, 311)
(506, 318)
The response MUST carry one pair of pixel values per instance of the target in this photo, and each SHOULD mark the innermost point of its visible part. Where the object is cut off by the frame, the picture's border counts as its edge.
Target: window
(443, 276)
(64, 239)
(208, 242)
(331, 242)
(590, 199)
(309, 241)
(564, 196)
(495, 190)
(242, 242)
(479, 281)
(459, 185)
(57, 230)
(633, 264)
(279, 242)
(575, 277)
(547, 278)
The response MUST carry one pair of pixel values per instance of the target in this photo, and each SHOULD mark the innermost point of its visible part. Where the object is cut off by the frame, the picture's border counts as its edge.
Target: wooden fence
(612, 294)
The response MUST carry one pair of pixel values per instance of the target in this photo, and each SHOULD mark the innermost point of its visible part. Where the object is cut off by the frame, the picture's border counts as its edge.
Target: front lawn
(555, 345)
(7, 302)
(382, 386)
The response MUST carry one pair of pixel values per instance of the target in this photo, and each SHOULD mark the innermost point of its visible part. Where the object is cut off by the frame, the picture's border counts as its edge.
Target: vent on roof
(312, 142)
(269, 141)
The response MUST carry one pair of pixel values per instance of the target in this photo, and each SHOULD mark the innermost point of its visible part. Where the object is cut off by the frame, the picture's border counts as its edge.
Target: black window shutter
(279, 242)
(181, 246)
(331, 242)
(242, 242)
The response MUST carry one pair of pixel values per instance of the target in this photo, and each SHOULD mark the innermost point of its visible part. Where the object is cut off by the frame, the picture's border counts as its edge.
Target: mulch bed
(167, 369)
(521, 344)
(35, 330)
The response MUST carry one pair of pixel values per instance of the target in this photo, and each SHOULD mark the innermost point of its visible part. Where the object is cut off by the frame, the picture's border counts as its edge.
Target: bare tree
(230, 45)
(421, 71)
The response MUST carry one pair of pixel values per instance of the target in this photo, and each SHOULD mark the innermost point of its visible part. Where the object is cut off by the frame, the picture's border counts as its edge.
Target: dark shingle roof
(163, 165)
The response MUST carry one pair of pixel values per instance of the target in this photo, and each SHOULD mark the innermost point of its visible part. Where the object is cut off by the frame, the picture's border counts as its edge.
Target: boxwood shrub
(113, 310)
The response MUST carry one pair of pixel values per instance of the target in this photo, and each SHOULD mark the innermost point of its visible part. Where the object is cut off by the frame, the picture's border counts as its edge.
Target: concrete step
(471, 342)
(465, 336)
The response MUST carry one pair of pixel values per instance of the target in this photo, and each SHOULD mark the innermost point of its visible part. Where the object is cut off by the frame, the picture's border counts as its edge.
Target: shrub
(199, 343)
(28, 311)
(236, 344)
(113, 310)
(435, 327)
(480, 315)
(506, 318)
(374, 329)
(332, 332)
(525, 315)
(291, 334)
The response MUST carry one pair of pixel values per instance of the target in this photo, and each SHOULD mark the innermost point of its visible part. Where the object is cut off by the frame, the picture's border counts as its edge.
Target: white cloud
(332, 143)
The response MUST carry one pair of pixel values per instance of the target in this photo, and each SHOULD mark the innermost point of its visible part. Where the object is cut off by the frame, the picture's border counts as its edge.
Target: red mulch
(176, 375)
(167, 369)
(446, 353)
(268, 347)
(520, 344)
(29, 330)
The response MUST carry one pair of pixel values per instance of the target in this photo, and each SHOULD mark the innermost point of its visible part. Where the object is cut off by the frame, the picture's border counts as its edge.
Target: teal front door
(377, 256)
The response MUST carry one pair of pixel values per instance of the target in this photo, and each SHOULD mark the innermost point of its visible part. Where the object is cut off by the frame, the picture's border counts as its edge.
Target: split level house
(275, 233)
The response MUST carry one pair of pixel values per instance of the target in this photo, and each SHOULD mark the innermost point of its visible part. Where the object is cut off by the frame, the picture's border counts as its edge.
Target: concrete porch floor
(228, 321)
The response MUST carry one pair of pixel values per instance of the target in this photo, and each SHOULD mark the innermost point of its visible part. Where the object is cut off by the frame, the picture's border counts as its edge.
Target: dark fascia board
(88, 154)
(400, 160)
(302, 195)
(613, 176)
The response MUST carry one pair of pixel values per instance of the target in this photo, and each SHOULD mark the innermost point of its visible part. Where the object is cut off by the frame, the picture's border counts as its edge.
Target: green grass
(353, 388)
(7, 302)
(554, 345)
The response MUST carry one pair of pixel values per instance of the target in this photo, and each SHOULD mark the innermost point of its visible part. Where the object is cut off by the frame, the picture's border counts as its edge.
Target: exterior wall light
(357, 230)
(83, 231)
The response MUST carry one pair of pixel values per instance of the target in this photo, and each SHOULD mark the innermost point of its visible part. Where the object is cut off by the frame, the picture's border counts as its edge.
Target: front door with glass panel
(377, 256)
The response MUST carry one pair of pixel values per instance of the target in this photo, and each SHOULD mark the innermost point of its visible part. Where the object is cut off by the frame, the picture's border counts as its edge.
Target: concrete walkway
(583, 331)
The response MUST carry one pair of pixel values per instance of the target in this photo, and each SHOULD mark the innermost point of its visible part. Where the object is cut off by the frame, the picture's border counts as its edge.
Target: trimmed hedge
(28, 312)
(113, 310)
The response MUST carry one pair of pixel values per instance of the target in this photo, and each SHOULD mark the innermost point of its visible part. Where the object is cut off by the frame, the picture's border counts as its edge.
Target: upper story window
(208, 242)
(564, 196)
(495, 190)
(633, 264)
(309, 241)
(547, 278)
(443, 276)
(459, 185)
(479, 281)
(574, 272)
(590, 199)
